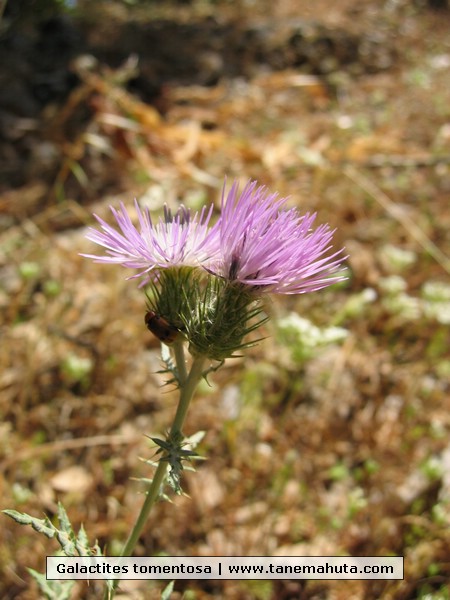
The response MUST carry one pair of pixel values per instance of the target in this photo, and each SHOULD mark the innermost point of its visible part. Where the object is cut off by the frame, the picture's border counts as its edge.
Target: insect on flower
(160, 327)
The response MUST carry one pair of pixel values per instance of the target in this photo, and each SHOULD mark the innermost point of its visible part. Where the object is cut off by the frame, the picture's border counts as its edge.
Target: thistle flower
(174, 241)
(270, 249)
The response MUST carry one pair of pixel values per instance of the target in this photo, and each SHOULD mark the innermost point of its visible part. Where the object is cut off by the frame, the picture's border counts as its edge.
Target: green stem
(188, 383)
(180, 360)
(187, 390)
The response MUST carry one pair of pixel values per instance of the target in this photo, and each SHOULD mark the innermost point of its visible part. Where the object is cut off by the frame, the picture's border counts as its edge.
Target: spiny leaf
(167, 591)
(212, 369)
(66, 542)
(53, 590)
(40, 525)
(64, 521)
(82, 537)
(163, 445)
(82, 543)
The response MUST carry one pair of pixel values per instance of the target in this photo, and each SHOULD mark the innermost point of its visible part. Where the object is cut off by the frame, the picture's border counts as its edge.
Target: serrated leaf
(64, 521)
(82, 537)
(66, 543)
(21, 518)
(82, 543)
(167, 591)
(53, 589)
(40, 525)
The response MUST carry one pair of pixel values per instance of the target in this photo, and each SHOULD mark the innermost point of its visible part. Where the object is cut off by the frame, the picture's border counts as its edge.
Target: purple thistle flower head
(270, 249)
(175, 241)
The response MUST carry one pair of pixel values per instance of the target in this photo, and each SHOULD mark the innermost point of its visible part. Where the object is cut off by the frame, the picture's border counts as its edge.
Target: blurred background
(329, 437)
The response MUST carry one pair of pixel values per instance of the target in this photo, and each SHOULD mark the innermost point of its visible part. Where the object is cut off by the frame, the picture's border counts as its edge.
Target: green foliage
(20, 493)
(53, 589)
(77, 369)
(368, 468)
(304, 339)
(40, 525)
(170, 367)
(338, 472)
(71, 545)
(397, 259)
(167, 591)
(174, 452)
(356, 502)
(259, 589)
(432, 468)
(433, 304)
(426, 592)
(51, 288)
(29, 270)
(356, 305)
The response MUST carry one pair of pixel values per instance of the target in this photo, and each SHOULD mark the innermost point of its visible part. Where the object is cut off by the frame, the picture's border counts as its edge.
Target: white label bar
(225, 567)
